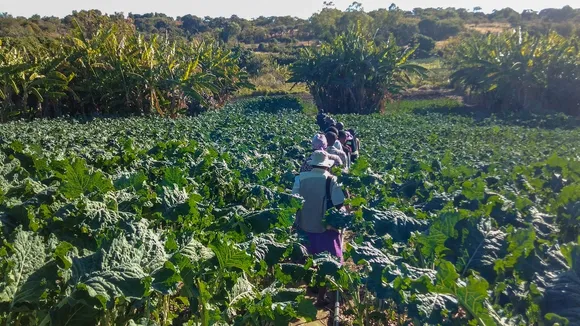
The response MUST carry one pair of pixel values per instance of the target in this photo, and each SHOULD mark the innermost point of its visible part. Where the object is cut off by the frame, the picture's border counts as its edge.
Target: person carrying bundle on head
(324, 121)
(328, 122)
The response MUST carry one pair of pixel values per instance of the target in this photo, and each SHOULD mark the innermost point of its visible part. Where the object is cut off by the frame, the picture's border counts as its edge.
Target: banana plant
(29, 80)
(354, 74)
(516, 71)
(116, 71)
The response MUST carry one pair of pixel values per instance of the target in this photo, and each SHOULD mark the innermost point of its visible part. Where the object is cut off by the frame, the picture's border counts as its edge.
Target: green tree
(324, 24)
(230, 31)
(440, 29)
(193, 24)
(425, 44)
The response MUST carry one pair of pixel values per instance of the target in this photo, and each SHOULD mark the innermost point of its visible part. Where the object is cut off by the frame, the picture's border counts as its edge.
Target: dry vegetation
(495, 28)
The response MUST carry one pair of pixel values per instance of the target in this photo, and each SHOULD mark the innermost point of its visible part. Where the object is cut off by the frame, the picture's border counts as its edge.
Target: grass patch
(273, 83)
(286, 89)
(437, 77)
(427, 104)
(494, 28)
(275, 104)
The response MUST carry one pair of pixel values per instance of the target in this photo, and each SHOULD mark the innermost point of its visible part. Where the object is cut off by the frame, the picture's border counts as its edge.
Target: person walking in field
(336, 144)
(324, 121)
(342, 138)
(353, 142)
(319, 144)
(332, 138)
(320, 191)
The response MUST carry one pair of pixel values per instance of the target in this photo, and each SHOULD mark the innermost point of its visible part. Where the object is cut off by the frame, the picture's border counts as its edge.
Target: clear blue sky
(251, 8)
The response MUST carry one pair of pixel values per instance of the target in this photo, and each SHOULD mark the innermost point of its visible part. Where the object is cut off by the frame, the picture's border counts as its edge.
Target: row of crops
(148, 221)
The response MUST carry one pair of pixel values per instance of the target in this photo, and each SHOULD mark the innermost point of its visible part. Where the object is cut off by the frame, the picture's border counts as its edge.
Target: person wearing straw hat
(320, 191)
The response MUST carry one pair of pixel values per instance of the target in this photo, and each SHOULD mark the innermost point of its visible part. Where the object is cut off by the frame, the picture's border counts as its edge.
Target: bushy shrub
(353, 74)
(425, 46)
(440, 29)
(285, 59)
(274, 104)
(516, 71)
(249, 61)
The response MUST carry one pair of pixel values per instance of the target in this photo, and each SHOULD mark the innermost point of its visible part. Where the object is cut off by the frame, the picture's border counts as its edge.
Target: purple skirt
(329, 241)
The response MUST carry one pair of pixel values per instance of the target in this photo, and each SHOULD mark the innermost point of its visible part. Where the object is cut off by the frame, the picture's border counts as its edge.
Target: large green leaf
(78, 309)
(242, 290)
(562, 296)
(78, 180)
(394, 223)
(366, 252)
(92, 217)
(266, 248)
(195, 251)
(432, 307)
(480, 246)
(443, 228)
(229, 256)
(174, 202)
(327, 265)
(472, 294)
(262, 221)
(27, 269)
(110, 274)
(338, 219)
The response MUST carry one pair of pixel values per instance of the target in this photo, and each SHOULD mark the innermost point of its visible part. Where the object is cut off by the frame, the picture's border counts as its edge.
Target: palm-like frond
(519, 71)
(116, 71)
(353, 74)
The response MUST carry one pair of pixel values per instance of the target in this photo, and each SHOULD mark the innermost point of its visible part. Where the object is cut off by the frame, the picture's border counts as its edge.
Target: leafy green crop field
(146, 221)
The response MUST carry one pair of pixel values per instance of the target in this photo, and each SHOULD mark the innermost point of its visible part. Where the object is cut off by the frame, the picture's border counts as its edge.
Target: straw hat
(320, 158)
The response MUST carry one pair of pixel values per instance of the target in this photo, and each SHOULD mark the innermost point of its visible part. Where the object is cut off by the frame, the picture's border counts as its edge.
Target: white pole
(337, 302)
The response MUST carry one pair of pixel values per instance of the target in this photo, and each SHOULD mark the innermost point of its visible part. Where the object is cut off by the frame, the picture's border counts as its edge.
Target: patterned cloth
(329, 241)
(319, 142)
(341, 154)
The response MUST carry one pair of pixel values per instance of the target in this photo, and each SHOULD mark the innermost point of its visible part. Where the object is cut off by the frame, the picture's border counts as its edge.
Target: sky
(251, 8)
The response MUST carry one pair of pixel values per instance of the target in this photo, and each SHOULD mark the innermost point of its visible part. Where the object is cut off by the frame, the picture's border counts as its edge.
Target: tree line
(406, 26)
